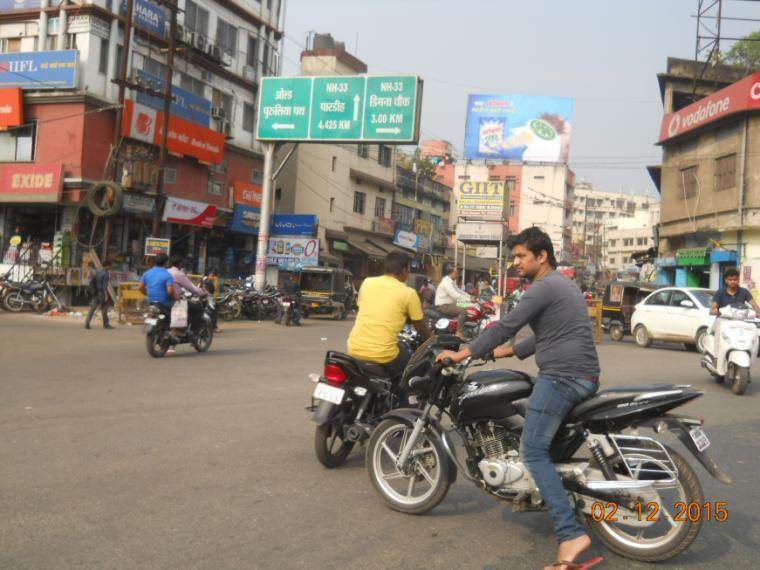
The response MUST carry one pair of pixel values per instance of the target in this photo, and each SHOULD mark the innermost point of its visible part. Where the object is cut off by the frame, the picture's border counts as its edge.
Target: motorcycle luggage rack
(645, 458)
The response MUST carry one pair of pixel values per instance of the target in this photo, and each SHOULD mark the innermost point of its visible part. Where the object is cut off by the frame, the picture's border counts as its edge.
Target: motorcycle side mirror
(687, 304)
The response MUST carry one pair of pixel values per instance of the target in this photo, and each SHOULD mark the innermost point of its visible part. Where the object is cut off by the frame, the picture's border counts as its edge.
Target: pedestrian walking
(100, 297)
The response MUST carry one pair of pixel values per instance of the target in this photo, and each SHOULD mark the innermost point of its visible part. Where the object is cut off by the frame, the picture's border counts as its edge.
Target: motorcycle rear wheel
(648, 549)
(157, 344)
(205, 337)
(325, 438)
(14, 302)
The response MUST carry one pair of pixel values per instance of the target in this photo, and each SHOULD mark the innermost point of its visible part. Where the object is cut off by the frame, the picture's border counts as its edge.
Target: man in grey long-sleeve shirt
(563, 343)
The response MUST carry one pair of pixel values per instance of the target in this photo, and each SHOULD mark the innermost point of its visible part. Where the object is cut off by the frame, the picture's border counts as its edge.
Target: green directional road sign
(390, 112)
(284, 109)
(351, 108)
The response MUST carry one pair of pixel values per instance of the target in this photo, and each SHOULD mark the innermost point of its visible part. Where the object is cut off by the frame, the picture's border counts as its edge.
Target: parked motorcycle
(728, 355)
(228, 305)
(479, 316)
(633, 490)
(34, 295)
(158, 334)
(349, 399)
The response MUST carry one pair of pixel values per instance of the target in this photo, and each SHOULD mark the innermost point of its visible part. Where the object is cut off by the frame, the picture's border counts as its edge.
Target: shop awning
(365, 246)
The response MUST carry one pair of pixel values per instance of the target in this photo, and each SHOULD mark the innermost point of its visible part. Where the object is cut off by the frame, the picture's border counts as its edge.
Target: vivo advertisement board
(294, 225)
(146, 16)
(16, 5)
(245, 220)
(185, 105)
(518, 127)
(39, 69)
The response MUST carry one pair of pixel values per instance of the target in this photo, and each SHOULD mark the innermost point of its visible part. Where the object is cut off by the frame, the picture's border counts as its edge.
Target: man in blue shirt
(158, 284)
(732, 294)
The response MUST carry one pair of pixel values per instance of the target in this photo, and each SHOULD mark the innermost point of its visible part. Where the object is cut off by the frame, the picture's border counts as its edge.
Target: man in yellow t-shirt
(386, 304)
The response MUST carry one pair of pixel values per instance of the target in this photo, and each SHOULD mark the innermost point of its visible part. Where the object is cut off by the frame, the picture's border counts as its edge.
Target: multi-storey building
(65, 59)
(626, 236)
(422, 205)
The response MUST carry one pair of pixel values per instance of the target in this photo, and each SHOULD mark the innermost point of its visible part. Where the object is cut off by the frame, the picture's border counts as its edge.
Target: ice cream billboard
(518, 127)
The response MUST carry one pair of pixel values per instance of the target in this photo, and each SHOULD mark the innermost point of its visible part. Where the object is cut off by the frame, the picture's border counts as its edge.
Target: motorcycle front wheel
(14, 302)
(673, 529)
(423, 484)
(740, 380)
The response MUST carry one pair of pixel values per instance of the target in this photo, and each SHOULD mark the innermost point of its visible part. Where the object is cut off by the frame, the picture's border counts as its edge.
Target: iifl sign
(741, 96)
(184, 137)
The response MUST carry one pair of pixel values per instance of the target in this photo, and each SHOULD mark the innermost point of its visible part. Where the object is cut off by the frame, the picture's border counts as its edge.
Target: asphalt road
(112, 459)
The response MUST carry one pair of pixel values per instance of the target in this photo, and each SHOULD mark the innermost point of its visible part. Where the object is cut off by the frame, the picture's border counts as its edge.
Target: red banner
(11, 107)
(31, 182)
(186, 138)
(247, 193)
(740, 96)
(189, 212)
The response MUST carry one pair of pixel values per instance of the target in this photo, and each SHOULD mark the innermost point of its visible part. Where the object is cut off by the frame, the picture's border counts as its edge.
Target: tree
(745, 52)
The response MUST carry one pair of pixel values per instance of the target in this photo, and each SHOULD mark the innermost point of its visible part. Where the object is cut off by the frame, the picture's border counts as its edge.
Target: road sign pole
(266, 206)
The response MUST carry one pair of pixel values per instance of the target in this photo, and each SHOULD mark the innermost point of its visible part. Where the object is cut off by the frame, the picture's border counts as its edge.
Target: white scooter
(730, 345)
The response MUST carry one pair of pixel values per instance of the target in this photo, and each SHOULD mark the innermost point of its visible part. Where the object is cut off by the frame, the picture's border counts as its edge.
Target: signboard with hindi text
(353, 108)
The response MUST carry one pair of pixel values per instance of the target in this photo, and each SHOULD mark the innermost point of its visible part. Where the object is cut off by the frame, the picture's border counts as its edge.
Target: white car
(673, 314)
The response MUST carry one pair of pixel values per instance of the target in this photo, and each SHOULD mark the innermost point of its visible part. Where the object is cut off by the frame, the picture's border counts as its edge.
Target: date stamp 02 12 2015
(650, 512)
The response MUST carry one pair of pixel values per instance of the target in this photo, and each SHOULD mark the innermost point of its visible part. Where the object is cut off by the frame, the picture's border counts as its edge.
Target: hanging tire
(112, 196)
(741, 380)
(14, 302)
(325, 439)
(617, 332)
(641, 335)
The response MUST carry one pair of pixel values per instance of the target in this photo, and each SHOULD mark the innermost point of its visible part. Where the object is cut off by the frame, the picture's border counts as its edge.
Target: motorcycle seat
(373, 369)
(32, 286)
(609, 396)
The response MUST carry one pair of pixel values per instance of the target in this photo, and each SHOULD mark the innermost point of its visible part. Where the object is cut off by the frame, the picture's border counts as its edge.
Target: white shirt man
(449, 294)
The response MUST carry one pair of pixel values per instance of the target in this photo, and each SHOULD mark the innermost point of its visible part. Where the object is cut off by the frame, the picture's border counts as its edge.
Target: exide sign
(740, 96)
(30, 183)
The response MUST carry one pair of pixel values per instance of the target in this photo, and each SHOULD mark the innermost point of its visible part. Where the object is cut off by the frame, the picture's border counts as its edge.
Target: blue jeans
(552, 399)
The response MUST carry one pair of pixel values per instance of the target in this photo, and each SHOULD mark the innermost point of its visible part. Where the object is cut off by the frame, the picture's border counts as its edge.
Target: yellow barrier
(595, 312)
(130, 303)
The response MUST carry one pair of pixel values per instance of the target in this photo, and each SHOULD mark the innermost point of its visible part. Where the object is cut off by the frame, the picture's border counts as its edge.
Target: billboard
(11, 107)
(185, 104)
(39, 69)
(518, 127)
(245, 219)
(293, 252)
(482, 200)
(146, 16)
(406, 239)
(247, 193)
(31, 182)
(189, 212)
(293, 225)
(480, 232)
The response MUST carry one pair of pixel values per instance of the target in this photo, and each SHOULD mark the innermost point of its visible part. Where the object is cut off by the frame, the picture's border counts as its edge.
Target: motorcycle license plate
(699, 438)
(329, 393)
(150, 322)
(286, 304)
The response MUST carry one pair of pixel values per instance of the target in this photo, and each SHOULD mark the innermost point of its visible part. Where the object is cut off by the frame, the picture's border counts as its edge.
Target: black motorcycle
(158, 334)
(34, 295)
(640, 498)
(350, 399)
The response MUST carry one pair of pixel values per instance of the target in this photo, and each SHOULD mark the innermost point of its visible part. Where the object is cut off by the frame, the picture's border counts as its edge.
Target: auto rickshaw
(326, 291)
(618, 304)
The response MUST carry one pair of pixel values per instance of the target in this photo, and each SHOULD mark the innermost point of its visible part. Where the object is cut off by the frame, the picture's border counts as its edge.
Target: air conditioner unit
(226, 59)
(218, 112)
(249, 73)
(199, 42)
(180, 37)
(214, 52)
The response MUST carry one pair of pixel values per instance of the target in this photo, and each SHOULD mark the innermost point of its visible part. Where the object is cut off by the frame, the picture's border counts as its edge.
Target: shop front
(693, 267)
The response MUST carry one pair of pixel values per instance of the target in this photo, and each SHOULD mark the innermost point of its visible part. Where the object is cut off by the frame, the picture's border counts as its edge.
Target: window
(332, 204)
(362, 150)
(226, 37)
(248, 117)
(10, 45)
(223, 100)
(661, 298)
(278, 194)
(265, 59)
(379, 207)
(677, 297)
(214, 187)
(154, 68)
(359, 198)
(612, 261)
(688, 182)
(725, 172)
(195, 86)
(170, 176)
(196, 18)
(627, 242)
(18, 145)
(334, 162)
(252, 53)
(384, 155)
(257, 176)
(103, 59)
(403, 214)
(538, 178)
(641, 241)
(613, 242)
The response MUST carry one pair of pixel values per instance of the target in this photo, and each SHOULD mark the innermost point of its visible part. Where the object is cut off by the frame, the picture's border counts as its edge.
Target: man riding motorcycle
(157, 284)
(182, 283)
(563, 343)
(448, 295)
(386, 304)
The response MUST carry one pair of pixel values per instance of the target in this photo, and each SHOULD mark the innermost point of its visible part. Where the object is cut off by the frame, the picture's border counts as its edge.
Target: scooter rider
(732, 294)
(563, 343)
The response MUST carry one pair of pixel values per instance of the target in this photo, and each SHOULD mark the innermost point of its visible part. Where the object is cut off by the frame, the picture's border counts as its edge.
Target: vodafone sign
(184, 137)
(741, 96)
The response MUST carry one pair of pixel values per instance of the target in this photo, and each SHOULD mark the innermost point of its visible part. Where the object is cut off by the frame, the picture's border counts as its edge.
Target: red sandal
(578, 565)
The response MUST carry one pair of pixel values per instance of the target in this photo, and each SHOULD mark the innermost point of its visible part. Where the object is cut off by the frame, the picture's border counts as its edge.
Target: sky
(605, 54)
